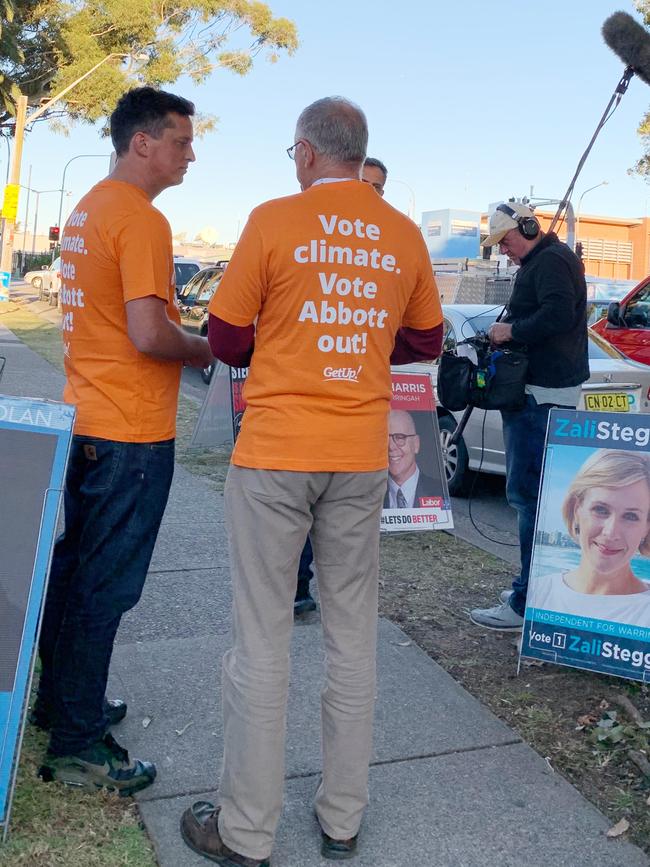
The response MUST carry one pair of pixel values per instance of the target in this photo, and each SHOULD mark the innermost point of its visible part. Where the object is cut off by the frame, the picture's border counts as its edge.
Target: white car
(616, 383)
(46, 280)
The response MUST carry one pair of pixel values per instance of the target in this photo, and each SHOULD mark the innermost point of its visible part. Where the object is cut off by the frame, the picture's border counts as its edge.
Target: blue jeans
(115, 497)
(524, 432)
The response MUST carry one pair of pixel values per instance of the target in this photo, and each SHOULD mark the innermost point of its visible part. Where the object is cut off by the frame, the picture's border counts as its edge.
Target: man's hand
(500, 332)
(201, 353)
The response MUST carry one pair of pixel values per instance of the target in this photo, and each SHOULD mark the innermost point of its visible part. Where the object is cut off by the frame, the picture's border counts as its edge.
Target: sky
(468, 103)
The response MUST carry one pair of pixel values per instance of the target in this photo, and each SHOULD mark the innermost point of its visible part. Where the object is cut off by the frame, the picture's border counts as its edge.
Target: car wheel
(206, 373)
(37, 282)
(454, 457)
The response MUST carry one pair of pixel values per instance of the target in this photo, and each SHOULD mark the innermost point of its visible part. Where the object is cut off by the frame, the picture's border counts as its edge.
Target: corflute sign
(588, 600)
(35, 439)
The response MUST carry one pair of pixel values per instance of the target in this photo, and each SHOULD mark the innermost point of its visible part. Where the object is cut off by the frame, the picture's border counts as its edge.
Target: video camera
(481, 376)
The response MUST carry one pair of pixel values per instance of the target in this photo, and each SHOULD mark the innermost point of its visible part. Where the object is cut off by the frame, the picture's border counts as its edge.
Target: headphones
(528, 226)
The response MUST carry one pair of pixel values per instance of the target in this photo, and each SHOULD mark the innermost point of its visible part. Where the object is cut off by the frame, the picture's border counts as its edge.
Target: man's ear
(308, 155)
(140, 144)
(416, 445)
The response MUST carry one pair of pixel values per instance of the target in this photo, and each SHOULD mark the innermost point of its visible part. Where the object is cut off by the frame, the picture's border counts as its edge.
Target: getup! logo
(346, 374)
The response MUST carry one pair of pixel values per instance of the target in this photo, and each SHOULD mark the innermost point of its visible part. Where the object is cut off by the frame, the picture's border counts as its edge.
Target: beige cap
(501, 222)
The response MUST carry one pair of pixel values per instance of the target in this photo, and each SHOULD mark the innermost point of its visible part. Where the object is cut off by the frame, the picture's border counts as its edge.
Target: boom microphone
(630, 41)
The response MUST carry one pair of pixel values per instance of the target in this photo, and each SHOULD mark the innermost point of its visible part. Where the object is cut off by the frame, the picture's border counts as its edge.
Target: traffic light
(54, 233)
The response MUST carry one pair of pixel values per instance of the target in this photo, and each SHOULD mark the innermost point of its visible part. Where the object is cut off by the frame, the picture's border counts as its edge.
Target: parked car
(616, 384)
(627, 324)
(184, 270)
(46, 280)
(193, 303)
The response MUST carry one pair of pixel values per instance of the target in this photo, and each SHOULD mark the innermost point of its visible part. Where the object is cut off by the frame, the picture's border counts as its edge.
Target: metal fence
(23, 262)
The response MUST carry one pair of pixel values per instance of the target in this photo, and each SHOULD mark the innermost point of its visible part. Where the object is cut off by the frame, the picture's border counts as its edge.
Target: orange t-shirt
(330, 274)
(116, 247)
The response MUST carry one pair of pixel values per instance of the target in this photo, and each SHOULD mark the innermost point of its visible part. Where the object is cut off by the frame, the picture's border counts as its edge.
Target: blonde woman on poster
(607, 512)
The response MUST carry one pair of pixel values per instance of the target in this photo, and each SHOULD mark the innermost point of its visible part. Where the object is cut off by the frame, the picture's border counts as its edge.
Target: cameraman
(546, 313)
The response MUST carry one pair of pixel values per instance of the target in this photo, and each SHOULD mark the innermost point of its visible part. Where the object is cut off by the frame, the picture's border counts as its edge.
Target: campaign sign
(214, 426)
(35, 439)
(416, 495)
(237, 403)
(588, 600)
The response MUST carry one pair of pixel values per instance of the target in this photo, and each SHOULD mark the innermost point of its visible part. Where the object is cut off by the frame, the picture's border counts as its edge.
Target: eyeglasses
(400, 439)
(291, 152)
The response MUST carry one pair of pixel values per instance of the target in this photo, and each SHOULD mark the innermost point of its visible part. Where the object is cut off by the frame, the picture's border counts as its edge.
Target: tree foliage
(46, 45)
(642, 165)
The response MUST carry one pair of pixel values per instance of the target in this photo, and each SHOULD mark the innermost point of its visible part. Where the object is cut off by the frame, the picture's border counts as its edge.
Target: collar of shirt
(408, 489)
(332, 180)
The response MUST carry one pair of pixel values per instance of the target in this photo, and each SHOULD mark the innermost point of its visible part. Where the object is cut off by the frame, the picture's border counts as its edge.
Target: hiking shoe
(304, 604)
(114, 708)
(200, 831)
(103, 765)
(501, 618)
(506, 595)
(304, 601)
(337, 850)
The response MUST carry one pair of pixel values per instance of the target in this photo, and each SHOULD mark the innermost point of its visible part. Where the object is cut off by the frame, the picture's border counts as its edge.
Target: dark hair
(336, 128)
(377, 164)
(145, 109)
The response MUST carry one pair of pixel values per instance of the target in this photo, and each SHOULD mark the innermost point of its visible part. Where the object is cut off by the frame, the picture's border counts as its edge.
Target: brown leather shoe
(200, 830)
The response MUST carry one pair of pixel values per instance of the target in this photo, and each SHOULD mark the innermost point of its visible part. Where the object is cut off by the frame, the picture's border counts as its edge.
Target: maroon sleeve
(232, 344)
(412, 344)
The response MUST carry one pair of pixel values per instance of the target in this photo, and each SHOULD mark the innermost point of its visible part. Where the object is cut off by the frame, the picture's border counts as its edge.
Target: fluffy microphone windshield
(630, 41)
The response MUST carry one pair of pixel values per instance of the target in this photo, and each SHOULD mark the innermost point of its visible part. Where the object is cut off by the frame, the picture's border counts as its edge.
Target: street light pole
(588, 190)
(9, 221)
(38, 193)
(411, 211)
(62, 188)
(29, 185)
(570, 216)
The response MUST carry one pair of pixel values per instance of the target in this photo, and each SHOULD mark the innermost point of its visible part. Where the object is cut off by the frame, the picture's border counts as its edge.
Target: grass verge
(590, 727)
(52, 827)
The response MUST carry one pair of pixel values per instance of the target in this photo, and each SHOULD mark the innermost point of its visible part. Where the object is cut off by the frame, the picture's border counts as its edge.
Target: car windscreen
(184, 272)
(480, 322)
(600, 348)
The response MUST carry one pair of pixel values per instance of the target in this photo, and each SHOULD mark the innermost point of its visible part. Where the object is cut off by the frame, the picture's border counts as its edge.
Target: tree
(642, 165)
(52, 43)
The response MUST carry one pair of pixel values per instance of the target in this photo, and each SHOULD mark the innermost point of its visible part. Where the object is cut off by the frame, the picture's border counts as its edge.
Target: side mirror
(615, 315)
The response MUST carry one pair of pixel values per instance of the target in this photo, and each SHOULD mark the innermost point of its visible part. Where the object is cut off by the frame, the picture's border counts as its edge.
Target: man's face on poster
(403, 446)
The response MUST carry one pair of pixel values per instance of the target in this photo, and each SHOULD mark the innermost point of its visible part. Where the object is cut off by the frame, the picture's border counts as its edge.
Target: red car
(627, 326)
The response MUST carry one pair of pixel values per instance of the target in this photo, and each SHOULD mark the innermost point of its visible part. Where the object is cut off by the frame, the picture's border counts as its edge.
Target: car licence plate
(617, 401)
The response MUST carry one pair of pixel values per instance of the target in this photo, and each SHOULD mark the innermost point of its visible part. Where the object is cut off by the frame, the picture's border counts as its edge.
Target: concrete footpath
(451, 785)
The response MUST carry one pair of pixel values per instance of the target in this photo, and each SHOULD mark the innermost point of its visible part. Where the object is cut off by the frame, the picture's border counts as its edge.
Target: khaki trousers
(268, 516)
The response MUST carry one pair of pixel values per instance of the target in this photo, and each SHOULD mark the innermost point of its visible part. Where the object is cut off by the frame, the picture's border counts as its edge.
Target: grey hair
(336, 128)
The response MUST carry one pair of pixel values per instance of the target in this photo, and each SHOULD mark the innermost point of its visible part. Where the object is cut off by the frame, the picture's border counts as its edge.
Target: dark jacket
(548, 312)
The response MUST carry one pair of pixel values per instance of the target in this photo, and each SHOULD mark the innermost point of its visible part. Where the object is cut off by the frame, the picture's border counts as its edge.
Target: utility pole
(10, 202)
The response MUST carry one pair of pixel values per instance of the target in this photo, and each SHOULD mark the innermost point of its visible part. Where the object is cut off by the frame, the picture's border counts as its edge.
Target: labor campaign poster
(238, 404)
(35, 439)
(416, 493)
(588, 600)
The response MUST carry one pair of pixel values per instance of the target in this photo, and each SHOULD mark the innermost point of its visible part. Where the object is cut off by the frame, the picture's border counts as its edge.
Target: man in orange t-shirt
(324, 289)
(124, 350)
